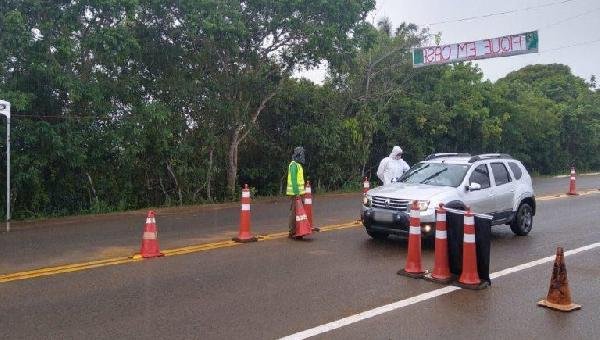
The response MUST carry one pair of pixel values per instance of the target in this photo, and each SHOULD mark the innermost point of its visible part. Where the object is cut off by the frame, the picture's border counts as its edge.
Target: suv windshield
(439, 174)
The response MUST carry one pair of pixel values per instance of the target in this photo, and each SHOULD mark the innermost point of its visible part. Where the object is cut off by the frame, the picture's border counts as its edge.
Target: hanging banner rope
(504, 46)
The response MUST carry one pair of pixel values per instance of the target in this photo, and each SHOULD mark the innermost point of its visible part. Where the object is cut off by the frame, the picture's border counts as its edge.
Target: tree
(235, 55)
(555, 109)
(377, 76)
(122, 104)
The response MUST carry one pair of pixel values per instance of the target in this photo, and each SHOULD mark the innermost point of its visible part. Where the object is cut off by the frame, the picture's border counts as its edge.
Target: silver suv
(494, 184)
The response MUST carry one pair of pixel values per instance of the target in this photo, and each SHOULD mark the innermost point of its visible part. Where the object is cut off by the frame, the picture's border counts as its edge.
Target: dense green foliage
(123, 104)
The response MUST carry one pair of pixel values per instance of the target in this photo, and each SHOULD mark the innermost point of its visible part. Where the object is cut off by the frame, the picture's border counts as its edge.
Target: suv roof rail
(446, 154)
(488, 156)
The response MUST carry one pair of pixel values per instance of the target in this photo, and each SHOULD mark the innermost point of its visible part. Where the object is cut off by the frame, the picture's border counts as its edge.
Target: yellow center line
(581, 193)
(69, 268)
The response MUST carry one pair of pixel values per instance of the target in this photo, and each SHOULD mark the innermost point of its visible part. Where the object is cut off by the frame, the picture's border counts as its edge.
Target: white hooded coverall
(390, 167)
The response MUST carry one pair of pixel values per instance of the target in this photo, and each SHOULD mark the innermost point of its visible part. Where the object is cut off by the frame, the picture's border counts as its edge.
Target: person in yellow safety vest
(295, 185)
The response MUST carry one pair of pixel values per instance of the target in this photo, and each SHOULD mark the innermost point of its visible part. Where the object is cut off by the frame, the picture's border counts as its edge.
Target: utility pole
(5, 110)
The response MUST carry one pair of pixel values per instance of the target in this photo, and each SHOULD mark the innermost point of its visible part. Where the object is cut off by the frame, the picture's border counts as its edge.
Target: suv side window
(481, 175)
(515, 169)
(500, 173)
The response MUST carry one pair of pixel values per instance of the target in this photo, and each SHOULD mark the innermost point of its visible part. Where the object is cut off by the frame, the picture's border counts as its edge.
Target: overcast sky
(560, 23)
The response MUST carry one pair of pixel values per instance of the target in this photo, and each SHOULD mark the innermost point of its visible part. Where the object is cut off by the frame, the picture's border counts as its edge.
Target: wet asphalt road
(276, 288)
(39, 244)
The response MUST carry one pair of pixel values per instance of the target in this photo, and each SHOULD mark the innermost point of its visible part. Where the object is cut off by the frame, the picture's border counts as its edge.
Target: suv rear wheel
(523, 221)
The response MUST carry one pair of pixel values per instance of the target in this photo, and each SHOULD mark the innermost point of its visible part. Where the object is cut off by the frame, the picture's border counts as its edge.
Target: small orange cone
(244, 235)
(441, 267)
(572, 189)
(559, 294)
(413, 260)
(150, 238)
(366, 186)
(302, 226)
(308, 205)
(469, 278)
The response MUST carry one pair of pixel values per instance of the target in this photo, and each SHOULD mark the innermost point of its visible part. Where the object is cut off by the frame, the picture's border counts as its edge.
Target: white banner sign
(482, 49)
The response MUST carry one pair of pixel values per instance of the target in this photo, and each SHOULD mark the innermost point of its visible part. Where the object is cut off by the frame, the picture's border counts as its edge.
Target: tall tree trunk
(164, 190)
(232, 161)
(209, 174)
(238, 135)
(362, 172)
(283, 183)
(92, 189)
(172, 173)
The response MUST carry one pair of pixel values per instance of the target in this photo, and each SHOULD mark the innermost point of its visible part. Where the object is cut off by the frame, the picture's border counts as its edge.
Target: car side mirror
(474, 186)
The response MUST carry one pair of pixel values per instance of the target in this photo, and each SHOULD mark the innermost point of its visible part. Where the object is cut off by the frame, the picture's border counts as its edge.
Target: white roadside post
(5, 110)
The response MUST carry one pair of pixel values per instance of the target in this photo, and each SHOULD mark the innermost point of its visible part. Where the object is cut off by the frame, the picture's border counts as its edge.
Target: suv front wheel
(378, 235)
(523, 221)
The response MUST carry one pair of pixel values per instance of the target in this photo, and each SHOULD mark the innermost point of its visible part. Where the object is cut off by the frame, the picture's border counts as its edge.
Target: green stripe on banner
(532, 40)
(417, 56)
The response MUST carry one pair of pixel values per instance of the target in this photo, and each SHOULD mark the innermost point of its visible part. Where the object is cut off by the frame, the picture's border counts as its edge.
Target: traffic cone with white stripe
(572, 189)
(441, 267)
(469, 277)
(559, 294)
(413, 260)
(308, 205)
(150, 238)
(244, 235)
(302, 226)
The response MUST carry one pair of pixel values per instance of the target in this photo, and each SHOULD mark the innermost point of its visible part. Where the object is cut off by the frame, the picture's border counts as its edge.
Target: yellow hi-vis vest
(295, 179)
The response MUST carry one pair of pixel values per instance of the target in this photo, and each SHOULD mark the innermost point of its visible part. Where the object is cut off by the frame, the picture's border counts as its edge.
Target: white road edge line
(420, 298)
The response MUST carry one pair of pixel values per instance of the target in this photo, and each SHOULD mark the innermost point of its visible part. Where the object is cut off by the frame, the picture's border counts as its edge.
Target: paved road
(38, 244)
(276, 288)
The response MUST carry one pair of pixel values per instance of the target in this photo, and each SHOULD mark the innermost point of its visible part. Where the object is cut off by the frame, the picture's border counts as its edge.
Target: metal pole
(7, 170)
(5, 110)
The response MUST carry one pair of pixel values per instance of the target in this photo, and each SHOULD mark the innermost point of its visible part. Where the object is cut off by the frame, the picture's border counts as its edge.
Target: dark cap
(298, 154)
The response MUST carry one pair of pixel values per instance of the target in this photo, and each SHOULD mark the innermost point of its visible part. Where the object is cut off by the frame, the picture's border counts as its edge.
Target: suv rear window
(500, 173)
(515, 169)
(438, 174)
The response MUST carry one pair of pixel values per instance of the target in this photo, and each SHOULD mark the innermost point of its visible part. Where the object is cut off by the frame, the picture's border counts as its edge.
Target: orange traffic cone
(441, 267)
(413, 260)
(572, 190)
(150, 238)
(559, 294)
(308, 205)
(366, 185)
(244, 235)
(302, 226)
(469, 278)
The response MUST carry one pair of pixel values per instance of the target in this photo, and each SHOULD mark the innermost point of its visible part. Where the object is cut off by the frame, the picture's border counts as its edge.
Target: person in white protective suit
(392, 166)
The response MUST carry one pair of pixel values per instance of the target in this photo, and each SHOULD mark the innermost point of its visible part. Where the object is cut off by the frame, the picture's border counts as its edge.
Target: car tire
(458, 205)
(523, 222)
(378, 235)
